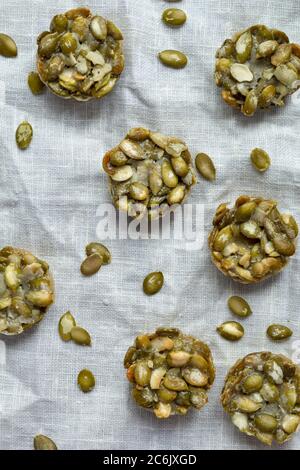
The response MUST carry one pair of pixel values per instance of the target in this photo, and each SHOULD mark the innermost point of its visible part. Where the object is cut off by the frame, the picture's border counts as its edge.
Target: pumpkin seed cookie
(81, 57)
(170, 372)
(253, 240)
(149, 172)
(262, 396)
(26, 290)
(257, 68)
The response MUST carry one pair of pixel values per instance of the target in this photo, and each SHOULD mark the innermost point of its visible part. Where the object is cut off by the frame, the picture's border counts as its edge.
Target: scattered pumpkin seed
(41, 442)
(153, 282)
(65, 325)
(91, 264)
(279, 332)
(8, 47)
(205, 166)
(239, 306)
(35, 83)
(100, 250)
(80, 336)
(173, 59)
(260, 159)
(24, 134)
(86, 380)
(174, 17)
(231, 330)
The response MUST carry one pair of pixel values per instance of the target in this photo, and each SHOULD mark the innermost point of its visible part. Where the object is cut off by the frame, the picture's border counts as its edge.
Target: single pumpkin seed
(100, 250)
(80, 336)
(153, 282)
(278, 332)
(266, 48)
(24, 134)
(260, 159)
(174, 17)
(123, 173)
(231, 330)
(138, 191)
(41, 442)
(86, 380)
(173, 59)
(205, 166)
(243, 46)
(265, 422)
(290, 423)
(169, 177)
(91, 264)
(65, 325)
(35, 83)
(239, 306)
(8, 47)
(252, 383)
(241, 73)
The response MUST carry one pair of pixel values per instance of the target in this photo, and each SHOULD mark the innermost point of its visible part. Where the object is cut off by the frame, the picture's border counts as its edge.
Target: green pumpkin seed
(24, 134)
(41, 442)
(114, 31)
(80, 336)
(100, 250)
(68, 43)
(59, 23)
(231, 330)
(174, 17)
(142, 373)
(278, 332)
(65, 326)
(91, 264)
(205, 166)
(8, 47)
(265, 422)
(173, 59)
(253, 383)
(260, 159)
(144, 397)
(35, 83)
(86, 380)
(239, 306)
(153, 283)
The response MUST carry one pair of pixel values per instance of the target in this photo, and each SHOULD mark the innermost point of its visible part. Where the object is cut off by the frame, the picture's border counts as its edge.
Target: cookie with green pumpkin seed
(257, 68)
(81, 57)
(171, 372)
(149, 172)
(253, 240)
(262, 396)
(26, 290)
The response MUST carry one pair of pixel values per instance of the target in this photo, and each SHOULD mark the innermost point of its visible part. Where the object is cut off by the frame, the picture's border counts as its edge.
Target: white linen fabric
(49, 196)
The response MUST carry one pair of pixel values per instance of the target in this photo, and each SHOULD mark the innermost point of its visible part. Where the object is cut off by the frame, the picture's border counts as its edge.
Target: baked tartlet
(262, 396)
(257, 68)
(253, 240)
(81, 57)
(149, 172)
(26, 290)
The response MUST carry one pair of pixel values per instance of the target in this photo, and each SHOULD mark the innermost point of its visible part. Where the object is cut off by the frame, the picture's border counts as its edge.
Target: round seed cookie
(81, 57)
(26, 290)
(148, 172)
(170, 372)
(253, 240)
(257, 68)
(262, 396)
